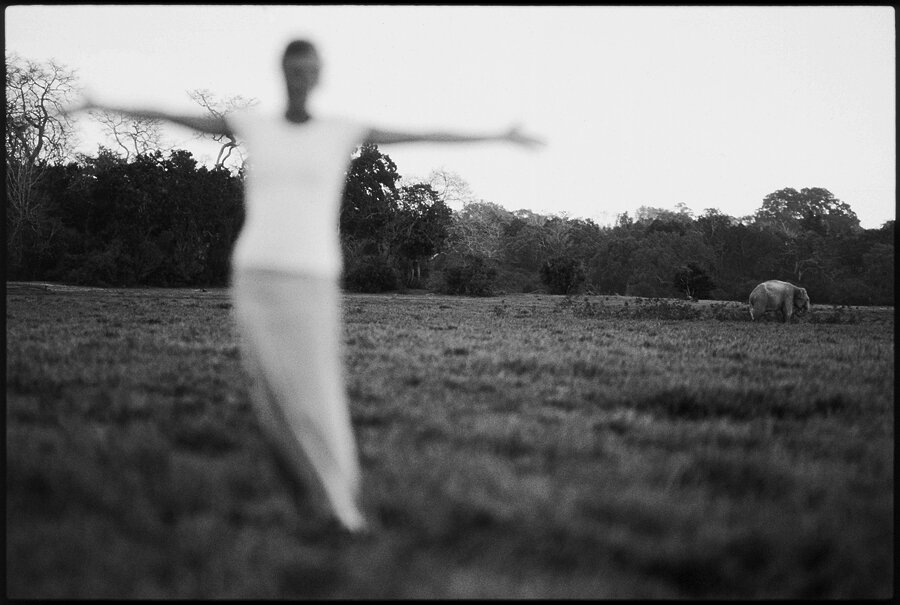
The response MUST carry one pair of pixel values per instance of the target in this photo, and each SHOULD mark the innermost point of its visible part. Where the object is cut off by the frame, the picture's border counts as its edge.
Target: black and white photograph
(450, 301)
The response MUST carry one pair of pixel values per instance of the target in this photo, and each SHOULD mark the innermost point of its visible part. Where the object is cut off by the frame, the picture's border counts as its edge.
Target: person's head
(301, 66)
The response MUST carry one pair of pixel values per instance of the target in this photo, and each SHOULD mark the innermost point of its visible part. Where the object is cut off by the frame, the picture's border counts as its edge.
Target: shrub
(729, 311)
(563, 274)
(657, 308)
(836, 315)
(473, 275)
(370, 274)
(692, 281)
(516, 280)
(107, 267)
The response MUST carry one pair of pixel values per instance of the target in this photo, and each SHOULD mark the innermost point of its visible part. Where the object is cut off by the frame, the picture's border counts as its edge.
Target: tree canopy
(148, 217)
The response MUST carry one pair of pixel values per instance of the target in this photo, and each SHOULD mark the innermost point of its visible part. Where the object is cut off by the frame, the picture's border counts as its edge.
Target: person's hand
(515, 135)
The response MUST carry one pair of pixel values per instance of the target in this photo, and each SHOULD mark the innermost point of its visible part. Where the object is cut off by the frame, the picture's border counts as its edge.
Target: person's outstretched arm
(207, 124)
(512, 135)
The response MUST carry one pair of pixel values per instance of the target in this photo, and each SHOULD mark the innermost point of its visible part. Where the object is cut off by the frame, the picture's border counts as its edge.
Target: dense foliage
(388, 232)
(163, 220)
(562, 275)
(167, 221)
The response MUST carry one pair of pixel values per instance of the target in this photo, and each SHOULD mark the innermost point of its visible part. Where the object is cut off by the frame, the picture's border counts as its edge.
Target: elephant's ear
(801, 294)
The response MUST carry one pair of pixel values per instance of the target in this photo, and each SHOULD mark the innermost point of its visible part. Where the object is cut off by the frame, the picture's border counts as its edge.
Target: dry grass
(529, 446)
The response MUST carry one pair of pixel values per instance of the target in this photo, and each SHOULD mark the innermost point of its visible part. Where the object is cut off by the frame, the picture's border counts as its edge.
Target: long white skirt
(290, 327)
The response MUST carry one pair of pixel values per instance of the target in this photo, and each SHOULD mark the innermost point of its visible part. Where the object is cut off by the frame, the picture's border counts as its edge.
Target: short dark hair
(298, 47)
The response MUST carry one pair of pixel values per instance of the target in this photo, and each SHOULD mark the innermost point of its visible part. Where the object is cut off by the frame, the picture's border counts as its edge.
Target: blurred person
(285, 274)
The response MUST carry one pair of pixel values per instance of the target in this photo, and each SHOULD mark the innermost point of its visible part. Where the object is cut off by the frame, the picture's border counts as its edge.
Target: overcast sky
(713, 107)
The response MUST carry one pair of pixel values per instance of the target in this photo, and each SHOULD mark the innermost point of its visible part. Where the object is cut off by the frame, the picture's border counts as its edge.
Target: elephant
(775, 295)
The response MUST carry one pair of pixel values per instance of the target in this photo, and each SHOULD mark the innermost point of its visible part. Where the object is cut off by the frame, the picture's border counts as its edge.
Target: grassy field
(519, 446)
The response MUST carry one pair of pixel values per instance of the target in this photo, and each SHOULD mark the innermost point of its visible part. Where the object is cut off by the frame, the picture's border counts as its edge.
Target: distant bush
(837, 314)
(651, 308)
(97, 268)
(517, 280)
(370, 274)
(563, 275)
(472, 275)
(693, 281)
(725, 311)
(663, 308)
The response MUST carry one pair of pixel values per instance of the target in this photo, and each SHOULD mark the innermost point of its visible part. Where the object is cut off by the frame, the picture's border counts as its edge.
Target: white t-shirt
(295, 179)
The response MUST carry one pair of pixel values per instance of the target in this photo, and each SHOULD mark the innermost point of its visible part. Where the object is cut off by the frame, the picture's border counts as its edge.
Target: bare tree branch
(36, 136)
(136, 136)
(220, 108)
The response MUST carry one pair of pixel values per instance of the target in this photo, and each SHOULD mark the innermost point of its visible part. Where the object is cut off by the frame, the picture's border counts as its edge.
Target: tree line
(137, 215)
(806, 237)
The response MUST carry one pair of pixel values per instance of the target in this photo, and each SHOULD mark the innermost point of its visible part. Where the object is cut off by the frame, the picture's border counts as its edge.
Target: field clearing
(524, 446)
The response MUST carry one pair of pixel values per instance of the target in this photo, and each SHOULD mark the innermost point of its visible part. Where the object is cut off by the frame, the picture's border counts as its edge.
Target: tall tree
(478, 228)
(369, 202)
(451, 188)
(714, 226)
(522, 243)
(811, 209)
(556, 236)
(421, 226)
(648, 214)
(749, 255)
(879, 274)
(611, 268)
(660, 255)
(37, 136)
(584, 238)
